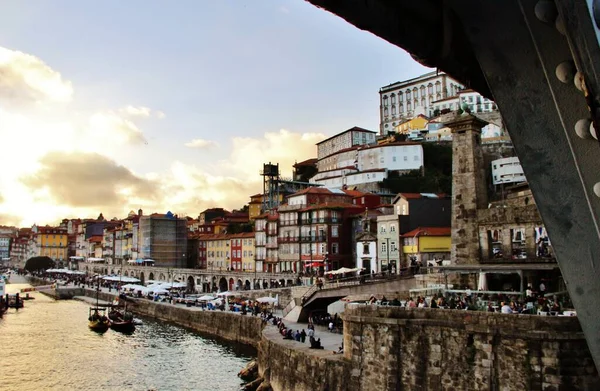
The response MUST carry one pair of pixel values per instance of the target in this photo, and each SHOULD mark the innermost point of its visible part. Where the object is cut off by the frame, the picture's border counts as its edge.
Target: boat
(98, 321)
(121, 320)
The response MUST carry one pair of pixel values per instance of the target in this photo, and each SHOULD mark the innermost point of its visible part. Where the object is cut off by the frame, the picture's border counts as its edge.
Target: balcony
(272, 245)
(313, 238)
(288, 223)
(271, 260)
(288, 239)
(272, 232)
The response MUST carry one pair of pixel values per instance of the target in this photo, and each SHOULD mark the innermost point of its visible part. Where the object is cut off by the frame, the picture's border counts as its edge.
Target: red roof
(312, 190)
(333, 205)
(428, 231)
(308, 162)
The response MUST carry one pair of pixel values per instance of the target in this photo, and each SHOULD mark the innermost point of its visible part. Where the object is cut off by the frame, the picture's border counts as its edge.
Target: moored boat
(121, 320)
(98, 321)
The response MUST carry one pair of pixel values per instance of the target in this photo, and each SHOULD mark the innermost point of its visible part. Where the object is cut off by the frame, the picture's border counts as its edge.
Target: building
(305, 170)
(242, 252)
(260, 241)
(428, 95)
(255, 206)
(366, 244)
(364, 166)
(163, 238)
(426, 244)
(346, 139)
(217, 252)
(422, 210)
(5, 243)
(406, 99)
(388, 242)
(51, 242)
(507, 170)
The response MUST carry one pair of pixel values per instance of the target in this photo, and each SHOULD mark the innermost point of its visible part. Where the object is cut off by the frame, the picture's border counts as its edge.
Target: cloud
(111, 126)
(139, 111)
(201, 144)
(284, 10)
(27, 79)
(283, 147)
(87, 180)
(160, 114)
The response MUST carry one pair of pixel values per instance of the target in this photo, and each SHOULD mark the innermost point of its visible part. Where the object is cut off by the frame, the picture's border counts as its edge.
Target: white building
(507, 170)
(427, 94)
(406, 99)
(347, 139)
(369, 164)
(5, 247)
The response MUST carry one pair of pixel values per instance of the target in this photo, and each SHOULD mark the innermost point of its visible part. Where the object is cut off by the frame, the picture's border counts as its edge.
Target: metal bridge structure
(539, 60)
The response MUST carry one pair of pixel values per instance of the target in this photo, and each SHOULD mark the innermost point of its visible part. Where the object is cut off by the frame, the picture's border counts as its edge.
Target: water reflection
(48, 346)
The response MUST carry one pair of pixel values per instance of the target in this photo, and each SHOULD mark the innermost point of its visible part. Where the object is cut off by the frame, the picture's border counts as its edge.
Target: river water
(48, 346)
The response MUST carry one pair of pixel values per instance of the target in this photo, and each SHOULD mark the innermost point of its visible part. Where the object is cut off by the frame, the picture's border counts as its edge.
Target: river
(48, 346)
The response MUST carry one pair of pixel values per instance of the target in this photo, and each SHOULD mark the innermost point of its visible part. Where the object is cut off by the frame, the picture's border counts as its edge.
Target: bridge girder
(517, 52)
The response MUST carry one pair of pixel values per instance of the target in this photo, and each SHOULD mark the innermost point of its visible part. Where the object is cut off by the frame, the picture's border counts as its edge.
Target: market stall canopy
(227, 294)
(75, 257)
(344, 270)
(120, 279)
(95, 259)
(65, 271)
(267, 299)
(206, 298)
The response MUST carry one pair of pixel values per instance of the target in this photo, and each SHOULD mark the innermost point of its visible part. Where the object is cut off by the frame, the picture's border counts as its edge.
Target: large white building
(368, 164)
(424, 95)
(507, 170)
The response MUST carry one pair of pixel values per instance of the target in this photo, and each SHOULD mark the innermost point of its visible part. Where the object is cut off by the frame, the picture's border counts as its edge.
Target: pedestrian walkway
(330, 341)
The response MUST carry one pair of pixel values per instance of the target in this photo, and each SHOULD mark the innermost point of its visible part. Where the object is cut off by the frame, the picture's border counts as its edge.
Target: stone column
(468, 187)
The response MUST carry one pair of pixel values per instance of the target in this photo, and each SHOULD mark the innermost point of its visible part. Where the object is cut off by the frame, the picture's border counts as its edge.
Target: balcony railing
(272, 245)
(271, 260)
(272, 232)
(287, 223)
(288, 239)
(313, 238)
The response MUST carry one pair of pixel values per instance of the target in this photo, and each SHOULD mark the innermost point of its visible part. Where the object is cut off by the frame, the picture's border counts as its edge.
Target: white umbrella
(226, 294)
(267, 300)
(482, 284)
(206, 298)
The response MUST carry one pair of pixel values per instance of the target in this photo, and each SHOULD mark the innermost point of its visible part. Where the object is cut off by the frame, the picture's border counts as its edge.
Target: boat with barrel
(98, 321)
(120, 319)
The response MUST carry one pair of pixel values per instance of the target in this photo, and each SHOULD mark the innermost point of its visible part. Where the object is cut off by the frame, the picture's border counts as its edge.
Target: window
(334, 248)
(405, 158)
(381, 159)
(408, 95)
(393, 158)
(393, 99)
(334, 231)
(393, 110)
(400, 96)
(382, 229)
(385, 112)
(384, 247)
(392, 227)
(430, 88)
(393, 246)
(365, 248)
(416, 159)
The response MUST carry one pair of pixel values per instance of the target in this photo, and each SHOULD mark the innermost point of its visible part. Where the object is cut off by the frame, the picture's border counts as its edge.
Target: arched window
(423, 101)
(422, 91)
(385, 111)
(393, 99)
(401, 108)
(430, 89)
(385, 100)
(415, 93)
(408, 106)
(407, 95)
(400, 96)
(393, 110)
(438, 87)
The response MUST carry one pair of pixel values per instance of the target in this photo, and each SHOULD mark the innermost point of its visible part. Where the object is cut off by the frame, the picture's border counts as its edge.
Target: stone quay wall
(245, 329)
(392, 348)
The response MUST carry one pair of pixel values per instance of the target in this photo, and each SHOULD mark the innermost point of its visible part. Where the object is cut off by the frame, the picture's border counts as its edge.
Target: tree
(38, 263)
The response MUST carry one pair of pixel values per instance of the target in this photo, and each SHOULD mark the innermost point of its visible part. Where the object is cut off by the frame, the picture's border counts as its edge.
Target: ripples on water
(48, 346)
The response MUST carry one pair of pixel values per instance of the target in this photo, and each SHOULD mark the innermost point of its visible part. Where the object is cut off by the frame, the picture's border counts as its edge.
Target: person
(340, 350)
(542, 288)
(311, 332)
(330, 327)
(315, 343)
(303, 336)
(505, 308)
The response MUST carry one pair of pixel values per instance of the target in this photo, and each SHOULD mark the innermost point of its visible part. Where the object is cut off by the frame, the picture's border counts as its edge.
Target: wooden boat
(121, 320)
(98, 321)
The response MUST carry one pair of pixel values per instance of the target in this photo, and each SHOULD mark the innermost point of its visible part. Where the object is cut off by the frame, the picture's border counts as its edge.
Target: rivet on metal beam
(592, 131)
(578, 80)
(565, 71)
(545, 11)
(597, 189)
(560, 25)
(583, 128)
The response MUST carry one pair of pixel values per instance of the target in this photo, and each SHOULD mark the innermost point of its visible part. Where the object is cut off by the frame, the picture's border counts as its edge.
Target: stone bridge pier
(197, 280)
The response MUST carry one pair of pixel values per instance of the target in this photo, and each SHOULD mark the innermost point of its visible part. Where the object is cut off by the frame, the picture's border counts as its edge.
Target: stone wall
(296, 369)
(427, 349)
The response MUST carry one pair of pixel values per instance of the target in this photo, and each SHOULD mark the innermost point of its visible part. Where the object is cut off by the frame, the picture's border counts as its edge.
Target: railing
(288, 239)
(272, 245)
(288, 308)
(313, 238)
(272, 232)
(287, 223)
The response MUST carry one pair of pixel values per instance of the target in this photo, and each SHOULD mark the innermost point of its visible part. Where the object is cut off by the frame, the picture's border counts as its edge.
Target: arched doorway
(213, 285)
(126, 273)
(223, 284)
(161, 277)
(151, 276)
(238, 287)
(191, 284)
(231, 284)
(142, 278)
(247, 286)
(112, 272)
(106, 271)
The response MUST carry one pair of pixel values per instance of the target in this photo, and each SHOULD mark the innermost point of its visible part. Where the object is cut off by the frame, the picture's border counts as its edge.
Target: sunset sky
(114, 106)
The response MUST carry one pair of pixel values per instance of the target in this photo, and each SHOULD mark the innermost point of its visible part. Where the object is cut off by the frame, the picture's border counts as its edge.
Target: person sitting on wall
(288, 334)
(315, 343)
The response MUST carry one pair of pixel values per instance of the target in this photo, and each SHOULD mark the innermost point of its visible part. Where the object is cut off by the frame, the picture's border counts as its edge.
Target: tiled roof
(307, 162)
(428, 231)
(332, 205)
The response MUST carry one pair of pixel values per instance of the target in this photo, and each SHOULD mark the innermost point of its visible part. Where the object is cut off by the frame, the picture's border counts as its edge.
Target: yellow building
(247, 251)
(255, 206)
(52, 242)
(217, 252)
(427, 244)
(419, 122)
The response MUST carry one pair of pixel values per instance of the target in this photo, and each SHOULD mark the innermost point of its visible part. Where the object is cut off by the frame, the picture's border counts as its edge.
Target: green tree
(38, 263)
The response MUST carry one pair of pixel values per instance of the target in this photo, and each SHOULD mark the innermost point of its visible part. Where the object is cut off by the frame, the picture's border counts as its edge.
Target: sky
(112, 106)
